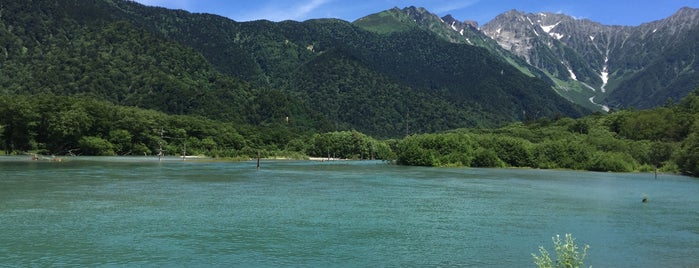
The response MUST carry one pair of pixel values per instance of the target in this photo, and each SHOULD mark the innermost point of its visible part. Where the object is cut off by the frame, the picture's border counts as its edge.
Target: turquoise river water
(141, 212)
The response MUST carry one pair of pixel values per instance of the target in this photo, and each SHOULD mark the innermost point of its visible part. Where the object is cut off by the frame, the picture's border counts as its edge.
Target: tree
(486, 158)
(66, 125)
(660, 152)
(688, 156)
(412, 154)
(20, 119)
(659, 124)
(580, 126)
(513, 151)
(121, 139)
(570, 154)
(90, 145)
(611, 161)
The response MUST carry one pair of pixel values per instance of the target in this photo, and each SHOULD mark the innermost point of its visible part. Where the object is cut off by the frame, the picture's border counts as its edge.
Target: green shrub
(410, 153)
(91, 145)
(486, 158)
(141, 149)
(669, 167)
(513, 151)
(688, 156)
(567, 254)
(612, 161)
(570, 154)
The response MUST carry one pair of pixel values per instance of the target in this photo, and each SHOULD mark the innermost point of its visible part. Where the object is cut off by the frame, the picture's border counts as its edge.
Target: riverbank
(323, 159)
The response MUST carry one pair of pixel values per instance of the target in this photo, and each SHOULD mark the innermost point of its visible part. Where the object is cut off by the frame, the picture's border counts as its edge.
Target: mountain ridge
(455, 62)
(606, 58)
(262, 72)
(589, 63)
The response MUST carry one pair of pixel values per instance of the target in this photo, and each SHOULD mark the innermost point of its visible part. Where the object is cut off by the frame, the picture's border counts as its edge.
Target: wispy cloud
(306, 8)
(277, 11)
(449, 6)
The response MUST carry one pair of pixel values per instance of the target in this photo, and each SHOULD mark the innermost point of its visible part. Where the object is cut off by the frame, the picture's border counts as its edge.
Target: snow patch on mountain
(605, 78)
(548, 28)
(589, 87)
(570, 71)
(604, 107)
(572, 74)
(601, 54)
(604, 75)
(556, 35)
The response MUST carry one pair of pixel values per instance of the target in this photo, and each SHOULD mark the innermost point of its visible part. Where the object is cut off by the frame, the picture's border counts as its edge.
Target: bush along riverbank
(664, 139)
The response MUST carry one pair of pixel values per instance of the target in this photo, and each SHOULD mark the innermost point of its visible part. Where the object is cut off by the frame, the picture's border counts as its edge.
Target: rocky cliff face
(589, 63)
(655, 62)
(447, 28)
(564, 47)
(605, 59)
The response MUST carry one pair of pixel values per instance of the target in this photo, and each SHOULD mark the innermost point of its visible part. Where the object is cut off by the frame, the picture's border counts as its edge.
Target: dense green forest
(326, 75)
(623, 141)
(60, 125)
(665, 138)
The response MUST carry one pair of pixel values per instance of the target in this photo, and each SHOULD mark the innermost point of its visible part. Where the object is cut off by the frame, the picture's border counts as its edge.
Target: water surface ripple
(141, 212)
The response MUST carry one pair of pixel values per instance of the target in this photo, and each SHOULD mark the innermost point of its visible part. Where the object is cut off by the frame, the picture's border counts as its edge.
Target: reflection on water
(142, 212)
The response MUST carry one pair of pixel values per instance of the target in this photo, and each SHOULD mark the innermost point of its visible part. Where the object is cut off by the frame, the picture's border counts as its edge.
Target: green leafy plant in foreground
(567, 254)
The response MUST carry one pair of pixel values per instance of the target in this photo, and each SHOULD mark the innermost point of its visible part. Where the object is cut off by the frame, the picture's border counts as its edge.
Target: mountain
(667, 50)
(595, 65)
(409, 18)
(324, 74)
(447, 28)
(282, 49)
(52, 47)
(623, 66)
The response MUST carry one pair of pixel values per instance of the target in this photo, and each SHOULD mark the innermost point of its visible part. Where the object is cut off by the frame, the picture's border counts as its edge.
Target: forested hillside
(47, 52)
(263, 72)
(50, 48)
(113, 77)
(417, 58)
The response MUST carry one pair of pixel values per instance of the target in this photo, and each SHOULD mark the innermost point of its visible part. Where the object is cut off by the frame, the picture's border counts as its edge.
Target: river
(141, 212)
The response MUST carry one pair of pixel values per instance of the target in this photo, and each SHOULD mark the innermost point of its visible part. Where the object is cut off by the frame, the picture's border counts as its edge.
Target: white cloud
(306, 8)
(449, 6)
(276, 11)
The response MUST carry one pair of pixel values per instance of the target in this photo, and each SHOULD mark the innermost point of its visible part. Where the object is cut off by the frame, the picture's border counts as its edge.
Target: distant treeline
(665, 138)
(61, 125)
(623, 141)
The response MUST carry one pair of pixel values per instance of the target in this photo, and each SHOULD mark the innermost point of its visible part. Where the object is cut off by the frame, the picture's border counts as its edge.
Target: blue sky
(610, 12)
